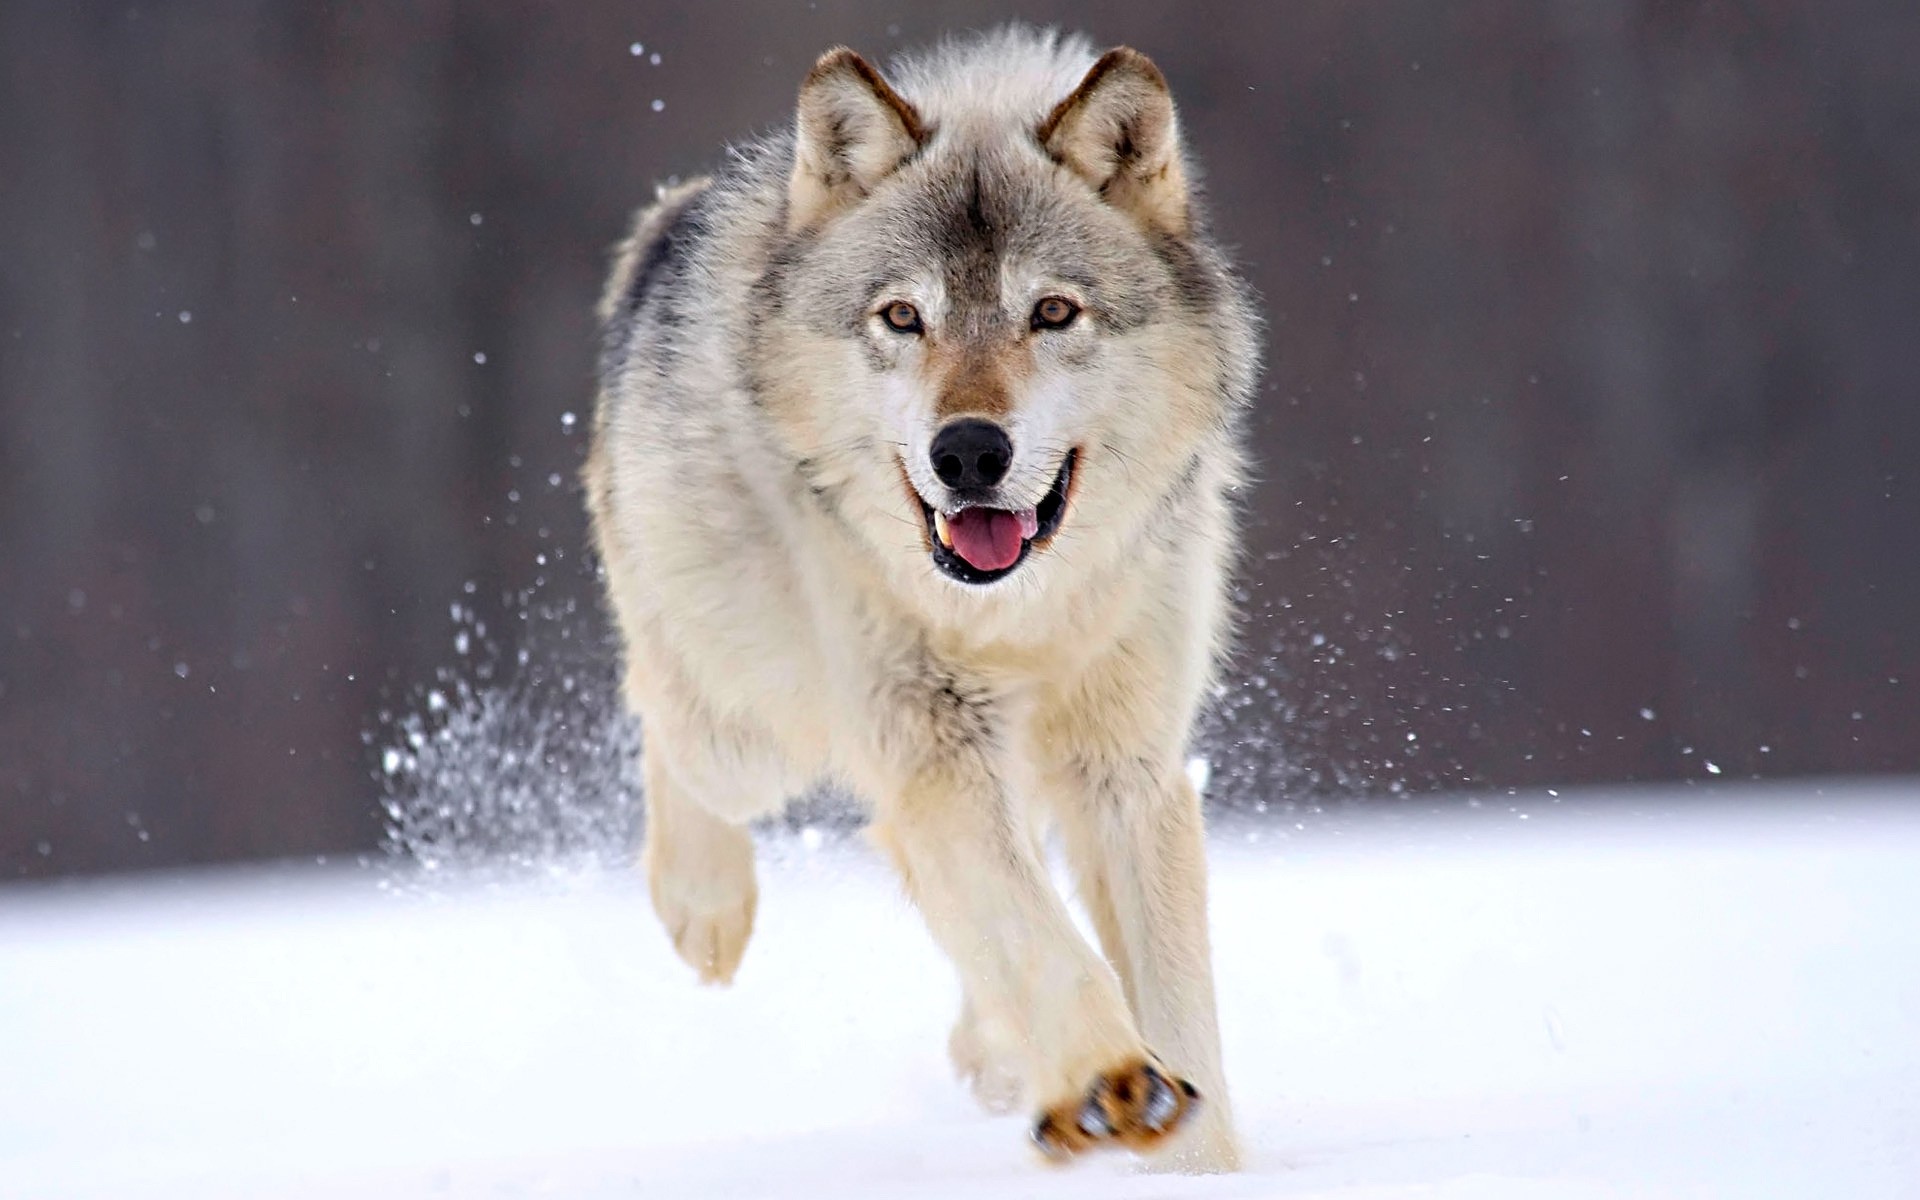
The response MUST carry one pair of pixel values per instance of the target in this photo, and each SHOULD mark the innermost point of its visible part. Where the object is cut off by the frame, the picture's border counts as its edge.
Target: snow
(1639, 994)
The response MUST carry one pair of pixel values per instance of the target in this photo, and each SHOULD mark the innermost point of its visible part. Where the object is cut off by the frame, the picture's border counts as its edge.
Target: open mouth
(978, 544)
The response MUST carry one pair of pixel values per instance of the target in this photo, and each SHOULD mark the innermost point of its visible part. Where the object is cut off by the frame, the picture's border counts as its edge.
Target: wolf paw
(984, 1069)
(1135, 1105)
(711, 940)
(707, 907)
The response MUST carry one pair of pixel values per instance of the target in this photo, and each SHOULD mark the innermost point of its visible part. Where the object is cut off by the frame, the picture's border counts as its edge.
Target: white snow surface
(1640, 994)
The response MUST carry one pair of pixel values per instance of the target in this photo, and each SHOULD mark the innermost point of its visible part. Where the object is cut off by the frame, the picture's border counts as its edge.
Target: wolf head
(993, 333)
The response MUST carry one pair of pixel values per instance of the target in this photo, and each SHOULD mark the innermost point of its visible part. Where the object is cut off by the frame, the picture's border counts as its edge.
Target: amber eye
(1054, 312)
(902, 317)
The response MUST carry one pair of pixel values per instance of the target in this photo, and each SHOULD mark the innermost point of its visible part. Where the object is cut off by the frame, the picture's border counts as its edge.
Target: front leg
(699, 873)
(1135, 838)
(972, 869)
(1141, 862)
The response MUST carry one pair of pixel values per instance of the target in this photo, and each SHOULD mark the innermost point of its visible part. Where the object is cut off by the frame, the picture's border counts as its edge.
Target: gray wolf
(911, 470)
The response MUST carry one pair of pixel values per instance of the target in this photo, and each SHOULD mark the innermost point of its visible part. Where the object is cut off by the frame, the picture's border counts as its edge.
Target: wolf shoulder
(662, 236)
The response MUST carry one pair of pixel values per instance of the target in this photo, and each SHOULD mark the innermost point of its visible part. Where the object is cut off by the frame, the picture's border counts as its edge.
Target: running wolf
(911, 470)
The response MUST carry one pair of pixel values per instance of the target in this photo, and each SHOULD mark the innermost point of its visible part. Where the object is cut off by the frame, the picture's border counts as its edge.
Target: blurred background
(1589, 443)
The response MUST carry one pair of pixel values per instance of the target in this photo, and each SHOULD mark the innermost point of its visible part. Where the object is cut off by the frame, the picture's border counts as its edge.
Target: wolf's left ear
(1117, 131)
(853, 131)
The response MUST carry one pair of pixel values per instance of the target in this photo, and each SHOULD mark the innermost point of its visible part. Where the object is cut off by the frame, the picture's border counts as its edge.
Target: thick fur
(760, 450)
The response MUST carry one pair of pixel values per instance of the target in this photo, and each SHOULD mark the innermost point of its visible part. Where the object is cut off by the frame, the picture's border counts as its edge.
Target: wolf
(913, 469)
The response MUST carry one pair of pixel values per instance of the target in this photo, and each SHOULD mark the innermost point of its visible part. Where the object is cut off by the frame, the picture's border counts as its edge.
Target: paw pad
(1135, 1106)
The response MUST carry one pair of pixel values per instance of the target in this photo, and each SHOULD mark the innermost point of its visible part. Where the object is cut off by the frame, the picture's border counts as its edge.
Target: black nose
(971, 454)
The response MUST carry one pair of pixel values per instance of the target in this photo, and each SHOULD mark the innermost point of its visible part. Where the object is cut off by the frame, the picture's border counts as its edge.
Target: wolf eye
(902, 317)
(1054, 312)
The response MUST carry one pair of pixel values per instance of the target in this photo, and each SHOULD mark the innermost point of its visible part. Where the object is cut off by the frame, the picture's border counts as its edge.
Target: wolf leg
(984, 1057)
(984, 1052)
(971, 867)
(1140, 857)
(1096, 896)
(699, 873)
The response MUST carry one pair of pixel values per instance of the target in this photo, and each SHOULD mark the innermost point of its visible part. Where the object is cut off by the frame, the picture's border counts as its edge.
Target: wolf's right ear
(853, 130)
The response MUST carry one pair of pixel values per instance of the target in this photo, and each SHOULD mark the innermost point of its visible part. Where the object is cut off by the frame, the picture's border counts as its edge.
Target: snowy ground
(1639, 995)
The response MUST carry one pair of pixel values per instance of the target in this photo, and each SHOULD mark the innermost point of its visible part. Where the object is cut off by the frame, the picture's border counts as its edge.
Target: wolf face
(990, 330)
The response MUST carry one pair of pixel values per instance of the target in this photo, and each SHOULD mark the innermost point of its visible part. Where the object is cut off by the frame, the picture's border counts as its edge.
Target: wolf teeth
(940, 528)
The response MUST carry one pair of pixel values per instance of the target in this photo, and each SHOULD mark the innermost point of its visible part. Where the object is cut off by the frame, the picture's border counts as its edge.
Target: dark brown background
(1593, 385)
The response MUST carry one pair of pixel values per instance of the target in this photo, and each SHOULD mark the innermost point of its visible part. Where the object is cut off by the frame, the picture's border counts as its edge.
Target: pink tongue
(989, 538)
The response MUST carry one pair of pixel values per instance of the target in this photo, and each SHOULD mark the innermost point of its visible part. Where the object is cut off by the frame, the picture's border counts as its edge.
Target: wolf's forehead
(977, 223)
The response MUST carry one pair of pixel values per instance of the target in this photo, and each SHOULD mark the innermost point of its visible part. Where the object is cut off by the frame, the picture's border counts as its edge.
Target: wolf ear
(853, 131)
(1117, 131)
